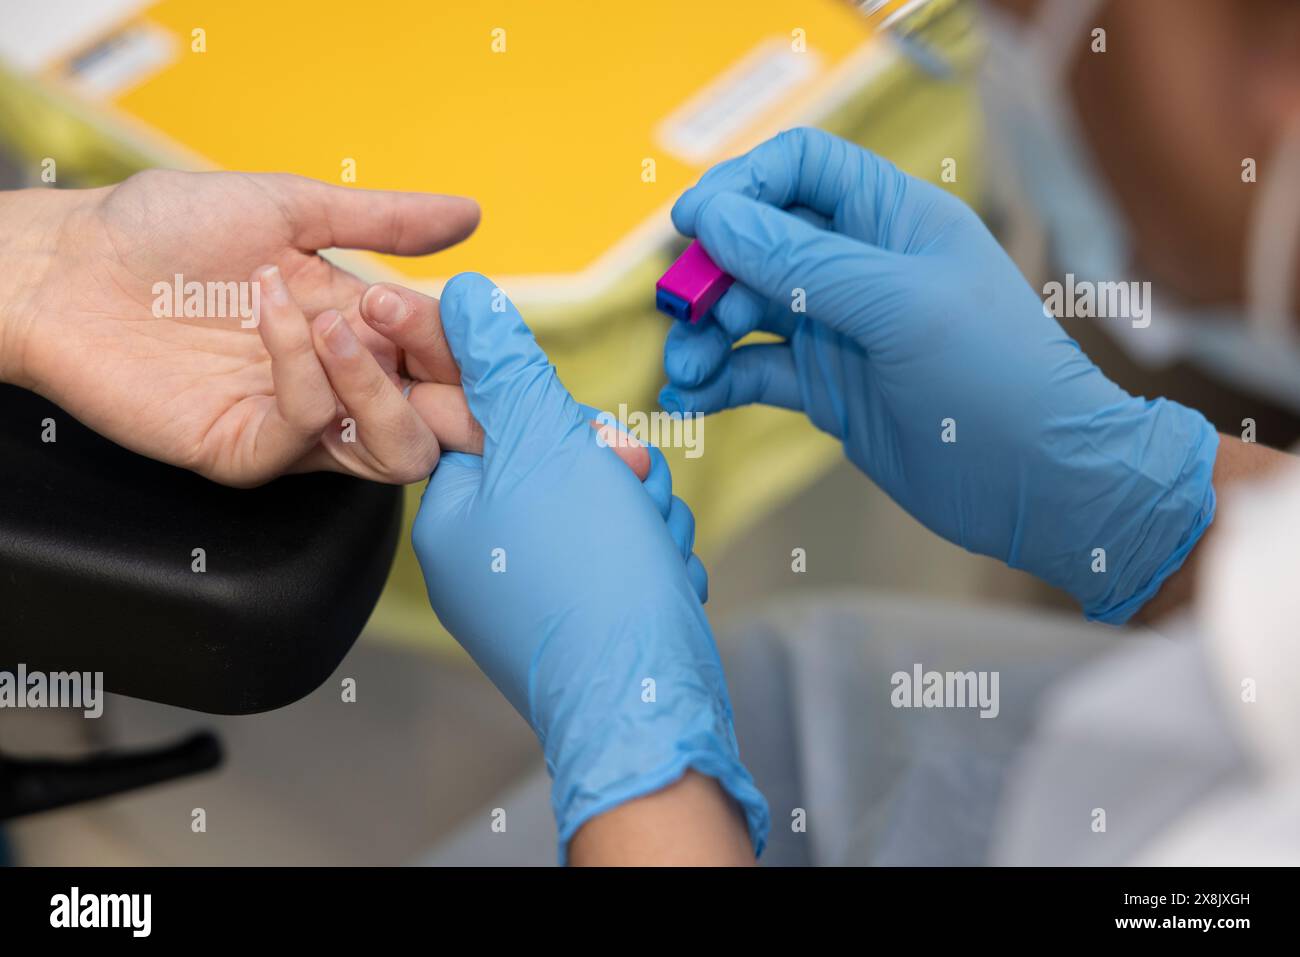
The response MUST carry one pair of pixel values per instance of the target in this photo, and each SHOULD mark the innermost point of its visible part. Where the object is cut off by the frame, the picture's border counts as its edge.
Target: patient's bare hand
(204, 393)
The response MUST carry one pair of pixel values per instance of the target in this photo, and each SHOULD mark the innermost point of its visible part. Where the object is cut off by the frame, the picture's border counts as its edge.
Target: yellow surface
(420, 101)
(549, 135)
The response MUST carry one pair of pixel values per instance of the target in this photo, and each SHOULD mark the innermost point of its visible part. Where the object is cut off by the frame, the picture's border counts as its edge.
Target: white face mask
(1023, 84)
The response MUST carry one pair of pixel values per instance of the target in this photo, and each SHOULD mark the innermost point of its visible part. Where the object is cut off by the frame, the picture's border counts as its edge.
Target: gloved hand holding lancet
(911, 336)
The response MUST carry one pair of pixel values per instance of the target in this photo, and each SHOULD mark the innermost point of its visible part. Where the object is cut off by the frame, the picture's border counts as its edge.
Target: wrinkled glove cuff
(1178, 519)
(574, 807)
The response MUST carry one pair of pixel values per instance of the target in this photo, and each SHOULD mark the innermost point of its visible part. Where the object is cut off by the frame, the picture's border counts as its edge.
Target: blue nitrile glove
(915, 316)
(571, 584)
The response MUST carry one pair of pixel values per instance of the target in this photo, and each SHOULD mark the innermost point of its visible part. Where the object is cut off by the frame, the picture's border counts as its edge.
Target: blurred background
(552, 136)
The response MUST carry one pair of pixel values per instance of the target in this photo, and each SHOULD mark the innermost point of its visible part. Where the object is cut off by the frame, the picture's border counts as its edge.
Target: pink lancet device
(691, 285)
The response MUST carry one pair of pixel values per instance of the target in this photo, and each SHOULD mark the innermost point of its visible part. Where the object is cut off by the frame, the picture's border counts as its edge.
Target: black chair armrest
(96, 569)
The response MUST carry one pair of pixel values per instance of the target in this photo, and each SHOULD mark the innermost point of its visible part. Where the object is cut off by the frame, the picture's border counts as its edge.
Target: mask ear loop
(1273, 244)
(1029, 73)
(1053, 36)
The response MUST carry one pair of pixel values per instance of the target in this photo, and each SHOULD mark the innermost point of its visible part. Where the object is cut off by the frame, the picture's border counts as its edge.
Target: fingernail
(338, 335)
(273, 286)
(383, 306)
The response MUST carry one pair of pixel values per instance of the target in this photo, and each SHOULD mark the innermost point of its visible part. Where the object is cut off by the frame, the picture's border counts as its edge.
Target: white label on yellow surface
(122, 60)
(901, 11)
(33, 36)
(736, 101)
